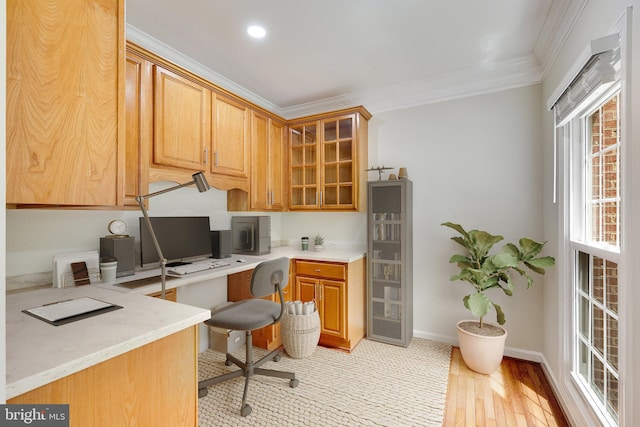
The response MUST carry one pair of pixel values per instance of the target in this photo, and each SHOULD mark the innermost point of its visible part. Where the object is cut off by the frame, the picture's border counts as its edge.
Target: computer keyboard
(196, 266)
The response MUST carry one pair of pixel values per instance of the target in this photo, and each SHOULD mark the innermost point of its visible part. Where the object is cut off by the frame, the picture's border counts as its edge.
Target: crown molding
(560, 21)
(156, 46)
(504, 75)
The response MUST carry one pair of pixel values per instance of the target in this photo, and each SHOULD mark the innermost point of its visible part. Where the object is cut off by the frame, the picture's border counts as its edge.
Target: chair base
(248, 369)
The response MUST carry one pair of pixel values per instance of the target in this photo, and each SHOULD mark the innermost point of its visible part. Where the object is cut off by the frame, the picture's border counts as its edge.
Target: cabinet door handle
(215, 159)
(206, 156)
(317, 270)
(320, 202)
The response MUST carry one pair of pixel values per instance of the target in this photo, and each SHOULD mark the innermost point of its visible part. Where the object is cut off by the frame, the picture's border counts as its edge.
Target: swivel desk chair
(268, 278)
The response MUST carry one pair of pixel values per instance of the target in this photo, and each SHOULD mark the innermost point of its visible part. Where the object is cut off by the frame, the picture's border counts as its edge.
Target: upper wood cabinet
(231, 137)
(139, 125)
(65, 102)
(196, 127)
(327, 161)
(182, 122)
(267, 163)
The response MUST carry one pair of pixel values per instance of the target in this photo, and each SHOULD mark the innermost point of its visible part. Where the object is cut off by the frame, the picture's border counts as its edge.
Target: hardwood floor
(517, 394)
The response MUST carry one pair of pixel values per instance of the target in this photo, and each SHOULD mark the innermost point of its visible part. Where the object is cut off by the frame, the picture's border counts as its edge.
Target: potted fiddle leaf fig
(482, 343)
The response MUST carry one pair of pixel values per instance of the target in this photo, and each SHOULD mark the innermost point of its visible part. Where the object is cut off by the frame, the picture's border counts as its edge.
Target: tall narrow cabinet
(390, 261)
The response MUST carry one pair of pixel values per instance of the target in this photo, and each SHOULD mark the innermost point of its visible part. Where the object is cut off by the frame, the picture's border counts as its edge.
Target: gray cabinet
(390, 261)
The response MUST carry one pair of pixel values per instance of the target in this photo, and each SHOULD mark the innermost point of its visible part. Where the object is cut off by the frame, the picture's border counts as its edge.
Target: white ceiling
(384, 54)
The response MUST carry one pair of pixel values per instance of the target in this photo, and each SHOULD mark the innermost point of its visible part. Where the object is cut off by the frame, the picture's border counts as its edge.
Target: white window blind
(599, 73)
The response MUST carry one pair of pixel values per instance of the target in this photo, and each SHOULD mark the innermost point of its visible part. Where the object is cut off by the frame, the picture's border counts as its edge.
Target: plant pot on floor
(481, 349)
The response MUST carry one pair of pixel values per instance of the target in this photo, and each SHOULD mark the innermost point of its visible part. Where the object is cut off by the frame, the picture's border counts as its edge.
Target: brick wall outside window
(605, 173)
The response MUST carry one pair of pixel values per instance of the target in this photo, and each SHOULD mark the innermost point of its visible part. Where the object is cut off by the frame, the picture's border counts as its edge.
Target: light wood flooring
(517, 394)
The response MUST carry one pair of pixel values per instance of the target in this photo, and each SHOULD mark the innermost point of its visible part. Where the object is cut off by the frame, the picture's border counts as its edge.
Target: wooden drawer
(320, 269)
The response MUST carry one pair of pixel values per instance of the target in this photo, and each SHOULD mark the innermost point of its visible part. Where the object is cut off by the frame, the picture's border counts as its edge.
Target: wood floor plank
(469, 401)
(517, 394)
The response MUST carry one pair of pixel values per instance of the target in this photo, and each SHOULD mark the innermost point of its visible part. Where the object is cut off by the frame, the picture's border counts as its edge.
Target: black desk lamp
(201, 183)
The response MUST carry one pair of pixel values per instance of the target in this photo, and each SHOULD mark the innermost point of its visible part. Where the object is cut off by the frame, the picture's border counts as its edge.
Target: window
(588, 118)
(595, 249)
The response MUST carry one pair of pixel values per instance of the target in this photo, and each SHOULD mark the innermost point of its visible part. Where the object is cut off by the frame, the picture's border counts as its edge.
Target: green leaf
(456, 227)
(481, 242)
(541, 263)
(462, 242)
(499, 314)
(504, 260)
(461, 259)
(478, 304)
(512, 249)
(530, 248)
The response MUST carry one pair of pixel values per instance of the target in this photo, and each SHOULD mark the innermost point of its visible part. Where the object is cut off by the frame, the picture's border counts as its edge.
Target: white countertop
(237, 263)
(39, 353)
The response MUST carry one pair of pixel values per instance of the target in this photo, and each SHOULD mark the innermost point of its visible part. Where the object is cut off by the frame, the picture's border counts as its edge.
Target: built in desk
(132, 366)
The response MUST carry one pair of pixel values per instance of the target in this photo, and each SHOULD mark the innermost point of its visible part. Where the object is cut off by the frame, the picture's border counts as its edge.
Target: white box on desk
(225, 340)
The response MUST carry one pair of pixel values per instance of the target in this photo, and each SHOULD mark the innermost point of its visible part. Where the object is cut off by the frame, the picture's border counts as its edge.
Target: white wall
(598, 19)
(477, 162)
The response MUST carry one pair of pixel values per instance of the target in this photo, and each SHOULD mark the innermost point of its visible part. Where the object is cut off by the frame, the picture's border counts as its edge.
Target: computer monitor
(181, 239)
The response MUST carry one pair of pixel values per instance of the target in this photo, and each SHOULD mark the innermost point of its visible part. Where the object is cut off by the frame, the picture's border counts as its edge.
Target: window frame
(577, 138)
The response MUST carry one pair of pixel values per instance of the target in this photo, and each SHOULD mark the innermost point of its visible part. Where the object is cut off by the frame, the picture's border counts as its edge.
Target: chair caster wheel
(228, 363)
(294, 383)
(277, 358)
(246, 410)
(202, 392)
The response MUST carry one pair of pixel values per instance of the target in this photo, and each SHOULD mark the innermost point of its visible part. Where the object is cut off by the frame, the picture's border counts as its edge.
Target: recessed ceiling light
(256, 31)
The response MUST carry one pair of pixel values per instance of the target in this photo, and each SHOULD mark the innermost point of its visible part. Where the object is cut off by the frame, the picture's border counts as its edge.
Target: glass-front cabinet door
(390, 306)
(304, 166)
(327, 159)
(337, 163)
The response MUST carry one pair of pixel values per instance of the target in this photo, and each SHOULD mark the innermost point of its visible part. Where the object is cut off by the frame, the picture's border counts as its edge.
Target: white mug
(108, 271)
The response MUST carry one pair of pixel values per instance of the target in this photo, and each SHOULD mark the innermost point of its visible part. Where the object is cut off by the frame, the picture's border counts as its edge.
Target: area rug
(377, 384)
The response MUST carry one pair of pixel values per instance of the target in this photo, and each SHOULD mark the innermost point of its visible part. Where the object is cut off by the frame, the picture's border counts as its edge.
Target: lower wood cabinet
(338, 290)
(153, 385)
(238, 289)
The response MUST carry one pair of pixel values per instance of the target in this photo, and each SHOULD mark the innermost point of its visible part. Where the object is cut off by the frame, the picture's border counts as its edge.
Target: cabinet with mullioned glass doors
(327, 161)
(390, 261)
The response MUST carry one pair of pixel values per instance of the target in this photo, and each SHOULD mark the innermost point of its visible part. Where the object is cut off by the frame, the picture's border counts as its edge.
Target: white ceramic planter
(481, 353)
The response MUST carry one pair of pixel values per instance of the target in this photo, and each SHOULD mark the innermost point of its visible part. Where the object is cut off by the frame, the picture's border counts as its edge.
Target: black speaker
(122, 249)
(221, 244)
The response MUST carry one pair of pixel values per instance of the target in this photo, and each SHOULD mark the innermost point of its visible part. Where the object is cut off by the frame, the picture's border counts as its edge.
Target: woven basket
(300, 334)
